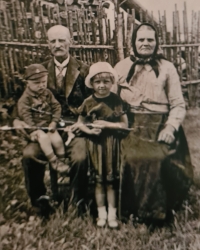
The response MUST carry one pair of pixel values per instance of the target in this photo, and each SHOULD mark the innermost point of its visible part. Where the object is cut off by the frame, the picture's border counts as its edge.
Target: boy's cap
(35, 71)
(97, 68)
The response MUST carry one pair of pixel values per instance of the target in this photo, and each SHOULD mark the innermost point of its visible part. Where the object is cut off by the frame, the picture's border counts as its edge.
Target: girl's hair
(149, 27)
(103, 75)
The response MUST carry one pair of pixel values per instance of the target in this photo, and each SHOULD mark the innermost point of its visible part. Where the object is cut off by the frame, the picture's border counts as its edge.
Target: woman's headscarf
(138, 59)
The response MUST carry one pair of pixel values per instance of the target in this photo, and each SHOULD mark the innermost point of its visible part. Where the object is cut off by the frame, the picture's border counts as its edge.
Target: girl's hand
(101, 124)
(167, 134)
(76, 128)
(95, 131)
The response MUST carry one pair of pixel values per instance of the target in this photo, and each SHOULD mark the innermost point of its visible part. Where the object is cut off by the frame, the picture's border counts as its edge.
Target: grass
(20, 229)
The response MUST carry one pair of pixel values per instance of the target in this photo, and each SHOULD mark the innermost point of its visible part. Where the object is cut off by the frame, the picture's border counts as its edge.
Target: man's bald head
(59, 29)
(59, 40)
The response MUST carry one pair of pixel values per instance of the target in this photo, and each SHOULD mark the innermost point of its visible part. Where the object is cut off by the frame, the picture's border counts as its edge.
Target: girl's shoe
(102, 216)
(112, 218)
(113, 223)
(101, 222)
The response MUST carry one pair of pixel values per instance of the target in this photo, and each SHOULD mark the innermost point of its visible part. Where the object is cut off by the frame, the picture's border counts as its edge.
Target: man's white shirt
(63, 65)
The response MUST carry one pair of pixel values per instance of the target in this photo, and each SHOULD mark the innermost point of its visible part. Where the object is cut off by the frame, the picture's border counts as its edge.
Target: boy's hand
(52, 127)
(167, 134)
(20, 128)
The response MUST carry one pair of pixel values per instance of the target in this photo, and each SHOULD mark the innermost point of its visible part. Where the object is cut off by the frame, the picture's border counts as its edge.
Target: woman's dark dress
(155, 177)
(153, 181)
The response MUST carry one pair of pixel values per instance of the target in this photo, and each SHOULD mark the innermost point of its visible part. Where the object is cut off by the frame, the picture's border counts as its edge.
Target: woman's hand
(101, 124)
(167, 134)
(20, 128)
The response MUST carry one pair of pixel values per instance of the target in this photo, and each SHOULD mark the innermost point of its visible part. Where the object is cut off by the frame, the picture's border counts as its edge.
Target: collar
(63, 64)
(33, 94)
(146, 66)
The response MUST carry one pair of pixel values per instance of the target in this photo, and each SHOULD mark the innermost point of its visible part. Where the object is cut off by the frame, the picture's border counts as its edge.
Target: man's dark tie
(60, 79)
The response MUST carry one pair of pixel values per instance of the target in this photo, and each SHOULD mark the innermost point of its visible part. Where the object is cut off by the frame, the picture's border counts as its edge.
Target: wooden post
(5, 85)
(66, 13)
(70, 24)
(84, 25)
(58, 14)
(7, 28)
(79, 22)
(130, 25)
(93, 24)
(100, 25)
(10, 25)
(141, 16)
(119, 35)
(49, 14)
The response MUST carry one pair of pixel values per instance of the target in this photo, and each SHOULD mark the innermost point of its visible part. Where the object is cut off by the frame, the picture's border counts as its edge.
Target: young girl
(103, 110)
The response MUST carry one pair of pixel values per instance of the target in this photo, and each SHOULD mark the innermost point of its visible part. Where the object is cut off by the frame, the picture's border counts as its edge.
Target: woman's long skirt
(155, 177)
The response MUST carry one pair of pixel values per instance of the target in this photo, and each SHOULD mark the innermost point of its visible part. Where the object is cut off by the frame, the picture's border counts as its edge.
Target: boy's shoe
(60, 166)
(101, 222)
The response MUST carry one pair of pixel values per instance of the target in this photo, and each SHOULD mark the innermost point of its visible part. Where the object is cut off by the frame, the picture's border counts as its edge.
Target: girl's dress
(104, 150)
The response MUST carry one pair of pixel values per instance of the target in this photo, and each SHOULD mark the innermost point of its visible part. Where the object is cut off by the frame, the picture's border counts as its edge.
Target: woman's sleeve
(176, 101)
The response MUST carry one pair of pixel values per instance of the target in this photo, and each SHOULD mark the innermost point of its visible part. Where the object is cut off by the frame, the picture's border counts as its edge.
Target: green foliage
(21, 229)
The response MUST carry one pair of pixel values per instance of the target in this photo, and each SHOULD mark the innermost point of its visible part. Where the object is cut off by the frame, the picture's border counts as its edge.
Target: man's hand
(167, 134)
(52, 127)
(20, 128)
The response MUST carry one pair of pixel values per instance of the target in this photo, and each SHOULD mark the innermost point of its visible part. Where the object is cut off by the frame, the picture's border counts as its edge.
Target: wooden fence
(23, 39)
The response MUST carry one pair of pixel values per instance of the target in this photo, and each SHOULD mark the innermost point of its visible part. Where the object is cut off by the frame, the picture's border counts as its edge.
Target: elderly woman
(157, 171)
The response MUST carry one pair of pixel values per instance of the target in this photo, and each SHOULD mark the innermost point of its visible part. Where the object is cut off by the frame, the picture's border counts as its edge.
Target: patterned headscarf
(138, 59)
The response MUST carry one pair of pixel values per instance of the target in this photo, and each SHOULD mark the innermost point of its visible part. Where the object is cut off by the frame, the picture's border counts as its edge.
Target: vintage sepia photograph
(99, 125)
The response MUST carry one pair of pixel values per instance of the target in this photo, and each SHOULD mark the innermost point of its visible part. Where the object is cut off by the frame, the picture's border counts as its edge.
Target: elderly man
(66, 81)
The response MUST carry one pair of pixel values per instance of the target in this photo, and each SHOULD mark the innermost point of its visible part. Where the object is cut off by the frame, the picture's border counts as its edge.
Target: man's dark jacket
(74, 91)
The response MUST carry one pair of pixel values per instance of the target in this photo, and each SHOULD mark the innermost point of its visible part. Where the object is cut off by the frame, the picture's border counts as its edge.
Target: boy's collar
(33, 94)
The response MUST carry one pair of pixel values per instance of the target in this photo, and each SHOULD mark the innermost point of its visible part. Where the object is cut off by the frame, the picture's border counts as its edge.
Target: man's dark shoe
(45, 208)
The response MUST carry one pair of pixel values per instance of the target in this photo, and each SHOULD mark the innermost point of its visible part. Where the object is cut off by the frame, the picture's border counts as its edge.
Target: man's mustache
(58, 49)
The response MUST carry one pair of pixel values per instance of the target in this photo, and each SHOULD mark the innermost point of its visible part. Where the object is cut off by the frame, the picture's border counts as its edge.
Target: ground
(20, 229)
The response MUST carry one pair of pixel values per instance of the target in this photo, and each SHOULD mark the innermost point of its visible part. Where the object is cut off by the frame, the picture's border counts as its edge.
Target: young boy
(103, 110)
(39, 109)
